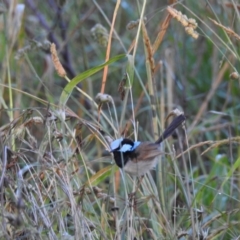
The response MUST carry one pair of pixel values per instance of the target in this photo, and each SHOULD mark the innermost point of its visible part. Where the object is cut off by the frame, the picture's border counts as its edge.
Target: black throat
(121, 158)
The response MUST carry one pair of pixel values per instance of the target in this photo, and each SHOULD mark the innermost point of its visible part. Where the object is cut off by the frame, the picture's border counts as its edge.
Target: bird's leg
(132, 195)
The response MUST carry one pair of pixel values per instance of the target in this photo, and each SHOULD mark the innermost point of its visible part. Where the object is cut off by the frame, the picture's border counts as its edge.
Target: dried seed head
(100, 34)
(234, 76)
(103, 98)
(191, 32)
(195, 34)
(183, 20)
(189, 23)
(32, 46)
(133, 24)
(57, 64)
(192, 23)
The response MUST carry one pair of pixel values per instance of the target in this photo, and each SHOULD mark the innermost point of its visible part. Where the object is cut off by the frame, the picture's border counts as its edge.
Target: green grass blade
(101, 175)
(130, 70)
(72, 84)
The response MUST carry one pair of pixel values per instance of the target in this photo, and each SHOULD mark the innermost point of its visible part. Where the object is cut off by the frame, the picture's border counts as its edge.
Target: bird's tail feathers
(171, 128)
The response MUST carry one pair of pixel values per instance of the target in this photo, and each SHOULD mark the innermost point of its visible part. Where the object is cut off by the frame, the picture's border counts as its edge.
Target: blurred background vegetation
(58, 180)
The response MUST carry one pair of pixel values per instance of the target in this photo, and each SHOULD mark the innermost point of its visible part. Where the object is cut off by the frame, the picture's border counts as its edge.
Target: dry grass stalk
(228, 30)
(230, 5)
(190, 24)
(105, 70)
(213, 144)
(213, 89)
(148, 46)
(161, 33)
(137, 107)
(222, 142)
(170, 69)
(218, 216)
(57, 64)
(216, 127)
(193, 147)
(132, 46)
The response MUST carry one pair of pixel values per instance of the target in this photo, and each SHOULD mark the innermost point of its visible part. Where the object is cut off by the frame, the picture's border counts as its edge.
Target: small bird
(137, 158)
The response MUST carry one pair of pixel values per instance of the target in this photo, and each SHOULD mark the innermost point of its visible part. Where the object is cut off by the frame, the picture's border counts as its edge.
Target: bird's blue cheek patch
(123, 145)
(128, 147)
(125, 148)
(136, 144)
(115, 144)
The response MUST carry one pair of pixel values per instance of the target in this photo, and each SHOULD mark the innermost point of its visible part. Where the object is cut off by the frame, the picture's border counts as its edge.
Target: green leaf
(101, 175)
(73, 83)
(130, 71)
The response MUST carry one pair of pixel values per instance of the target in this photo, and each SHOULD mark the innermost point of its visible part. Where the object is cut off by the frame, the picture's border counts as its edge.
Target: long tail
(171, 128)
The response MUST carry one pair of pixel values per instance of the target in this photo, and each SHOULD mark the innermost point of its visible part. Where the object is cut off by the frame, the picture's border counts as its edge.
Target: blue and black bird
(137, 158)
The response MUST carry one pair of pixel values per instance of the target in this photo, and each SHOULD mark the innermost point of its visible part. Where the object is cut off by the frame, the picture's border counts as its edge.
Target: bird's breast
(139, 168)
